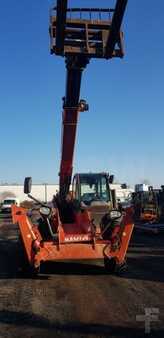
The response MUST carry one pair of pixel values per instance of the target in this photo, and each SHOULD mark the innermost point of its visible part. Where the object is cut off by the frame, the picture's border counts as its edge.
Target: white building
(45, 192)
(122, 194)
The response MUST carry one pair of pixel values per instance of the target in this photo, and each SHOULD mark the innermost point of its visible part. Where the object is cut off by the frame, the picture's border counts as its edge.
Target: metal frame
(93, 38)
(70, 246)
(114, 33)
(61, 14)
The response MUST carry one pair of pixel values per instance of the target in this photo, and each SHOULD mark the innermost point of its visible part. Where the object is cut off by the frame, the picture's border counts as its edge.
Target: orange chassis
(70, 246)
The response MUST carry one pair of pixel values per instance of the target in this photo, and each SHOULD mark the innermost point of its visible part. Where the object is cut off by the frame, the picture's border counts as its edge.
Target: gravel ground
(73, 300)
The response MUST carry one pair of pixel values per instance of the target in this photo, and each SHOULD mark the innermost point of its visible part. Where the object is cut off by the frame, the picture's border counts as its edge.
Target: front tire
(24, 267)
(121, 268)
(112, 267)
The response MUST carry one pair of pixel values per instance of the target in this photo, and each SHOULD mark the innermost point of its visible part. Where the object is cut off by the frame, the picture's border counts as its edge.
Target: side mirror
(27, 185)
(111, 179)
(115, 214)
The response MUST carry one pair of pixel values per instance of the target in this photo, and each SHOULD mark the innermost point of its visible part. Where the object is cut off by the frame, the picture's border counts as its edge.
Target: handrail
(103, 10)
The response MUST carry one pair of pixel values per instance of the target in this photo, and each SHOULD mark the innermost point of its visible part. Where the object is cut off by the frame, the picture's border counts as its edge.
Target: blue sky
(123, 131)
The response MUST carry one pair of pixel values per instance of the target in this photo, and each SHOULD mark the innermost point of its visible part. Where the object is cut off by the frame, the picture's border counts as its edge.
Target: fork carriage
(92, 32)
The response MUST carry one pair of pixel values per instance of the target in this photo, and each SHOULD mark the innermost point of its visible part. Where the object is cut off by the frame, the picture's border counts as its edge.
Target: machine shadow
(145, 268)
(10, 260)
(29, 319)
(69, 268)
(144, 260)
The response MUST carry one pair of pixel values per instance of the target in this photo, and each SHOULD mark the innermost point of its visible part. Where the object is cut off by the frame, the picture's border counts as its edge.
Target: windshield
(9, 202)
(94, 187)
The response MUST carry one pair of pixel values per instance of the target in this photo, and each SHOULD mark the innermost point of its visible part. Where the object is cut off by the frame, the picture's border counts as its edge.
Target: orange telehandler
(84, 223)
(146, 206)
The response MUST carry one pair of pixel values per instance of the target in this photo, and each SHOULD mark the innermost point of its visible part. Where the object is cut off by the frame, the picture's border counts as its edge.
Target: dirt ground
(81, 300)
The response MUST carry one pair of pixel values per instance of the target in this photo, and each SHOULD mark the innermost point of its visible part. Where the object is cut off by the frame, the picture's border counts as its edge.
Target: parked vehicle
(8, 202)
(146, 206)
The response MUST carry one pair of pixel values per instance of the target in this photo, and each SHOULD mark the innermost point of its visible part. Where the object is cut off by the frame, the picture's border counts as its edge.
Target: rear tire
(24, 267)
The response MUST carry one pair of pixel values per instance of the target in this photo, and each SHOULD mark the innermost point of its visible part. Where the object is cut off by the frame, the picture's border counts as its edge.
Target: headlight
(114, 214)
(45, 211)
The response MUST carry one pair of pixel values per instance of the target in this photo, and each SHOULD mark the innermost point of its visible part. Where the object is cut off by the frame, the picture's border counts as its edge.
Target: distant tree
(27, 204)
(5, 194)
(146, 181)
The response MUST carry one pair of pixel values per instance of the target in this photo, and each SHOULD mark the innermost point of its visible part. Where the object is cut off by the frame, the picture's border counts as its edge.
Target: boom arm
(75, 66)
(79, 38)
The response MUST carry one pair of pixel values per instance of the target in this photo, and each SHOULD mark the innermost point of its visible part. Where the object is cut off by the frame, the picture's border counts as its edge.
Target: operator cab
(93, 192)
(90, 187)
